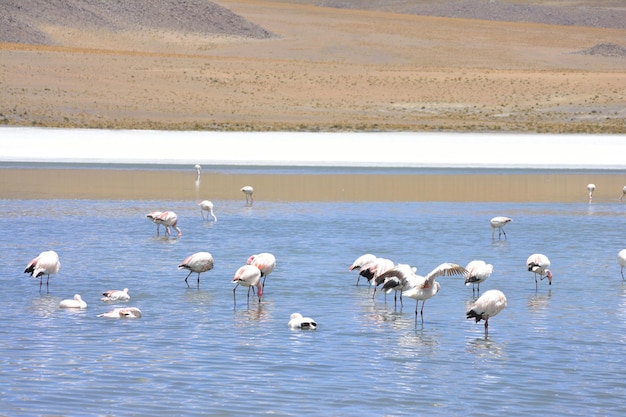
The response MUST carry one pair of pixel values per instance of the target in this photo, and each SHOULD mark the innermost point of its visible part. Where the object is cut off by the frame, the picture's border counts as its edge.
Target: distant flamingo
(623, 193)
(498, 223)
(488, 305)
(248, 191)
(76, 302)
(621, 259)
(477, 272)
(426, 287)
(206, 205)
(168, 219)
(198, 169)
(248, 276)
(539, 264)
(591, 188)
(296, 321)
(153, 215)
(47, 263)
(266, 262)
(116, 295)
(123, 312)
(359, 263)
(199, 262)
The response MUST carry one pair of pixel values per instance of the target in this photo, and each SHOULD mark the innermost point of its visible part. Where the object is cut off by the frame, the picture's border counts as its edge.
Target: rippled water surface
(555, 351)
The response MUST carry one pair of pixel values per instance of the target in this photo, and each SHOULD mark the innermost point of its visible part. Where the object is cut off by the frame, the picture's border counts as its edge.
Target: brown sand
(328, 69)
(23, 183)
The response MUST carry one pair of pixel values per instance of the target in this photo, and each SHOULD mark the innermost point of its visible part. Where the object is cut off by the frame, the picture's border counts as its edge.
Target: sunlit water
(557, 350)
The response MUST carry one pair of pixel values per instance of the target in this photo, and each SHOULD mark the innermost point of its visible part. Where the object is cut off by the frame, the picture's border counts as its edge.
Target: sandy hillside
(298, 65)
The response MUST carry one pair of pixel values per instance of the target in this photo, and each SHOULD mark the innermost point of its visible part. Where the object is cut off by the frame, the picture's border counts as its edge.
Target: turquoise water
(553, 351)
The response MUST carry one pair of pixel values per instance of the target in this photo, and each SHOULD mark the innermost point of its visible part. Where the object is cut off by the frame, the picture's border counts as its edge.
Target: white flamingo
(116, 295)
(198, 169)
(248, 276)
(168, 219)
(266, 262)
(123, 312)
(248, 191)
(400, 278)
(375, 269)
(499, 222)
(488, 305)
(198, 262)
(47, 263)
(206, 205)
(152, 216)
(76, 302)
(621, 259)
(297, 321)
(591, 188)
(477, 272)
(426, 287)
(358, 265)
(539, 264)
(623, 193)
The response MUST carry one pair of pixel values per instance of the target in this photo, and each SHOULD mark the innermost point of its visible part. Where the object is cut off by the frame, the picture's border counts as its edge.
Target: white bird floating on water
(116, 295)
(488, 305)
(296, 321)
(499, 222)
(76, 302)
(123, 312)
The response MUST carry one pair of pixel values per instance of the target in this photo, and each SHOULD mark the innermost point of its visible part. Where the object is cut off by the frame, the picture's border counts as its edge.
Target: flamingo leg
(198, 279)
(264, 276)
(187, 277)
(422, 311)
(486, 326)
(234, 294)
(622, 272)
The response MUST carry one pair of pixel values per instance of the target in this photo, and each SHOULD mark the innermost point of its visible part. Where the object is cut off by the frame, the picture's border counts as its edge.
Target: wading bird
(488, 305)
(358, 265)
(47, 263)
(266, 262)
(477, 272)
(498, 223)
(248, 276)
(591, 188)
(539, 264)
(151, 216)
(621, 259)
(206, 205)
(168, 219)
(248, 191)
(199, 262)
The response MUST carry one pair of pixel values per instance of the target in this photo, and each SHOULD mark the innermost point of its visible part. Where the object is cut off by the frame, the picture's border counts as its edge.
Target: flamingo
(116, 295)
(248, 191)
(399, 278)
(265, 262)
(76, 302)
(198, 168)
(375, 269)
(123, 312)
(623, 193)
(499, 222)
(198, 262)
(488, 305)
(153, 215)
(248, 276)
(296, 321)
(621, 259)
(591, 188)
(206, 205)
(539, 264)
(359, 263)
(47, 263)
(477, 272)
(426, 287)
(168, 219)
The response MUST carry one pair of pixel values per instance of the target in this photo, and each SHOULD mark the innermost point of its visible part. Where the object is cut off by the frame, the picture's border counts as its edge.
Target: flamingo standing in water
(399, 278)
(206, 205)
(621, 259)
(248, 191)
(499, 222)
(198, 169)
(375, 269)
(47, 263)
(199, 262)
(76, 302)
(265, 262)
(488, 305)
(477, 272)
(168, 219)
(591, 188)
(623, 193)
(248, 276)
(116, 295)
(296, 321)
(539, 264)
(153, 215)
(358, 265)
(426, 287)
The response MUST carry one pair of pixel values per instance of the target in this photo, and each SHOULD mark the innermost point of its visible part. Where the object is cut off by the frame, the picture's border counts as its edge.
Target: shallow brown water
(138, 184)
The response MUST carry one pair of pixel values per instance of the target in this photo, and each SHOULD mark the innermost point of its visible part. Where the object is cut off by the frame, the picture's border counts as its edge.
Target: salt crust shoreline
(401, 149)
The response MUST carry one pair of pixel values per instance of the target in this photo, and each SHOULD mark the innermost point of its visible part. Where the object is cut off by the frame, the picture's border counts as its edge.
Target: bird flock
(383, 273)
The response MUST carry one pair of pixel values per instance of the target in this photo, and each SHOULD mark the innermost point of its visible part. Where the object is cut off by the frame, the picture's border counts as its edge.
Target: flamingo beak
(549, 276)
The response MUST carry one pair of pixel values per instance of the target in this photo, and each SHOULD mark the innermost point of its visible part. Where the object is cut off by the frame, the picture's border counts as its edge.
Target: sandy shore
(326, 69)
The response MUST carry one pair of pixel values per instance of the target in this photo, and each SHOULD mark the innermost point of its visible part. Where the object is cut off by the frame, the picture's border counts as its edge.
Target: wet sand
(140, 184)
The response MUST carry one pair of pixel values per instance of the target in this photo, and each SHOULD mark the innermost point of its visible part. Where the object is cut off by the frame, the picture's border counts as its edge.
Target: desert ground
(303, 66)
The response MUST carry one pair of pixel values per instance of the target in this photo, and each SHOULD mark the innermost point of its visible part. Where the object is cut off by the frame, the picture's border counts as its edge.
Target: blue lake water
(556, 351)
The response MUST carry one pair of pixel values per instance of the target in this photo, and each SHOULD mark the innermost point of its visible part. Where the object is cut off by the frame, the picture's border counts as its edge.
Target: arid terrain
(455, 65)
